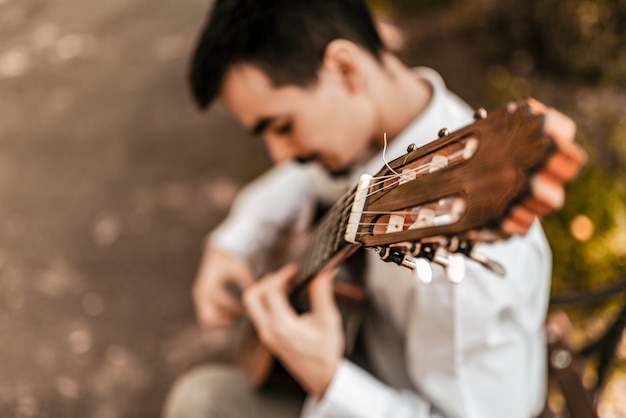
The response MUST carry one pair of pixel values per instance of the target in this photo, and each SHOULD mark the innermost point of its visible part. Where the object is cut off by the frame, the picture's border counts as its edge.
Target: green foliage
(583, 39)
(601, 258)
(600, 197)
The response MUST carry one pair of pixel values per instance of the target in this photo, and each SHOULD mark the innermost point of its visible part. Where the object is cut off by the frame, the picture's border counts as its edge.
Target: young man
(314, 80)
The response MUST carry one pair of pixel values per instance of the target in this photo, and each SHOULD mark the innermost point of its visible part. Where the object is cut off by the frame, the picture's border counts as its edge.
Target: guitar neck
(325, 245)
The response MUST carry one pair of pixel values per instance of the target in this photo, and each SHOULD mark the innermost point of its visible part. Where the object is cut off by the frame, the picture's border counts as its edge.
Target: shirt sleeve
(354, 393)
(264, 208)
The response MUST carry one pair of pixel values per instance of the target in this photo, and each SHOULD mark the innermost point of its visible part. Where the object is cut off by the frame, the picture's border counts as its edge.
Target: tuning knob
(422, 271)
(489, 264)
(420, 267)
(480, 113)
(453, 264)
(455, 271)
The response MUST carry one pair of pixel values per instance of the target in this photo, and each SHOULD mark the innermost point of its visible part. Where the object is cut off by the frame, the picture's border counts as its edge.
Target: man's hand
(310, 345)
(219, 276)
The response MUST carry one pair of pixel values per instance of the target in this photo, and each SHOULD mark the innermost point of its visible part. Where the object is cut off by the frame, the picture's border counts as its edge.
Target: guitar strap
(565, 367)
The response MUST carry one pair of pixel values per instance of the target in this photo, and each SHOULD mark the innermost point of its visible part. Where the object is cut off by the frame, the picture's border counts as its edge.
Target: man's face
(329, 121)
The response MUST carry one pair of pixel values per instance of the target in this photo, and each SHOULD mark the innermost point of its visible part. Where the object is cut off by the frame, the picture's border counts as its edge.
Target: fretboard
(326, 241)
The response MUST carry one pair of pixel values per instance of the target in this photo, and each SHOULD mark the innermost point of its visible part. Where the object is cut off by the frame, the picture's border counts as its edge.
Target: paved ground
(108, 181)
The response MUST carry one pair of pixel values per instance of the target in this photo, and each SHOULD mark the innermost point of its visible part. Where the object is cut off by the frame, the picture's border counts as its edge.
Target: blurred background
(110, 178)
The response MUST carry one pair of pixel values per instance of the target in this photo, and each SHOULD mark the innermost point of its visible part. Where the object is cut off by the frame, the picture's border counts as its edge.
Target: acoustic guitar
(483, 183)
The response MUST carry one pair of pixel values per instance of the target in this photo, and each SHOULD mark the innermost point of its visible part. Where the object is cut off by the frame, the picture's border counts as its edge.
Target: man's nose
(280, 148)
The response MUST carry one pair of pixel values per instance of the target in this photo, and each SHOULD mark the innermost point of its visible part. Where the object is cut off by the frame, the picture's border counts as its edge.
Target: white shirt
(470, 350)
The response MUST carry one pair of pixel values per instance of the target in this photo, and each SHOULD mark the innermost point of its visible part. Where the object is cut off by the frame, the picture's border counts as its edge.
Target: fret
(325, 242)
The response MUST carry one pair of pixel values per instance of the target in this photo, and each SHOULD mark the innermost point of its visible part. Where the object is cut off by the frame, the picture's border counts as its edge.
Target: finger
(284, 275)
(214, 306)
(220, 266)
(273, 283)
(321, 292)
(255, 307)
(241, 276)
(226, 304)
(268, 307)
(211, 316)
(277, 303)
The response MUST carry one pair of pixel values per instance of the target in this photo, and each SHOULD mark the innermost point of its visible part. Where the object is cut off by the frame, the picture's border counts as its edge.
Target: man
(314, 80)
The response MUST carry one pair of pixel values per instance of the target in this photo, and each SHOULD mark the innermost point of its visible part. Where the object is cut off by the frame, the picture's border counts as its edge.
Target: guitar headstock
(482, 183)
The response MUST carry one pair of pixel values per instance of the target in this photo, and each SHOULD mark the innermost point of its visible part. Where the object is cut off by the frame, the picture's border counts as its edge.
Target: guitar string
(383, 179)
(405, 174)
(318, 253)
(323, 233)
(331, 228)
(385, 152)
(343, 204)
(347, 201)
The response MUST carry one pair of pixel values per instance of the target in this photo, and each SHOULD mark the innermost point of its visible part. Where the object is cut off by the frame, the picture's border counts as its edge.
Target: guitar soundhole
(437, 213)
(448, 156)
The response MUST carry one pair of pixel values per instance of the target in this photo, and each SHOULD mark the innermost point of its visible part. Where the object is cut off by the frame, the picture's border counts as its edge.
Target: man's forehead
(244, 89)
(249, 93)
(244, 77)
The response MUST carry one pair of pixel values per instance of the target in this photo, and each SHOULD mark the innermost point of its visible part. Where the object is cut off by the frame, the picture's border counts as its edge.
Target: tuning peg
(489, 264)
(422, 270)
(419, 266)
(562, 166)
(547, 190)
(519, 220)
(453, 264)
(511, 107)
(455, 270)
(480, 113)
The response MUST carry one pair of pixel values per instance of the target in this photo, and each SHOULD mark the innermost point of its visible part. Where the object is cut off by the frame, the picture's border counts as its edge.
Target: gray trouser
(221, 391)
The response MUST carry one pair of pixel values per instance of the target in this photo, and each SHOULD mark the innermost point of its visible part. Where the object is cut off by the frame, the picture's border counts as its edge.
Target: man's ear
(344, 58)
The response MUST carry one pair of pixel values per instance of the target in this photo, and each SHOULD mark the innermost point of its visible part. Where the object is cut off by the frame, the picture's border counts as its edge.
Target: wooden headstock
(482, 183)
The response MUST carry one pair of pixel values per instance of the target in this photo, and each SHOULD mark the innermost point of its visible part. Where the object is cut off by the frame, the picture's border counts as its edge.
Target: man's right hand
(214, 292)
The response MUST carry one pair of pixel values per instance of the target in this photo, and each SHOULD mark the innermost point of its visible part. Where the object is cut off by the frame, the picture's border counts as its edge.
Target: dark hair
(286, 39)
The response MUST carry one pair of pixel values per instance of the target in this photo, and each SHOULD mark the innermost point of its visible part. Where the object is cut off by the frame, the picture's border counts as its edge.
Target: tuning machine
(418, 257)
(420, 267)
(467, 249)
(491, 265)
(452, 257)
(453, 264)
